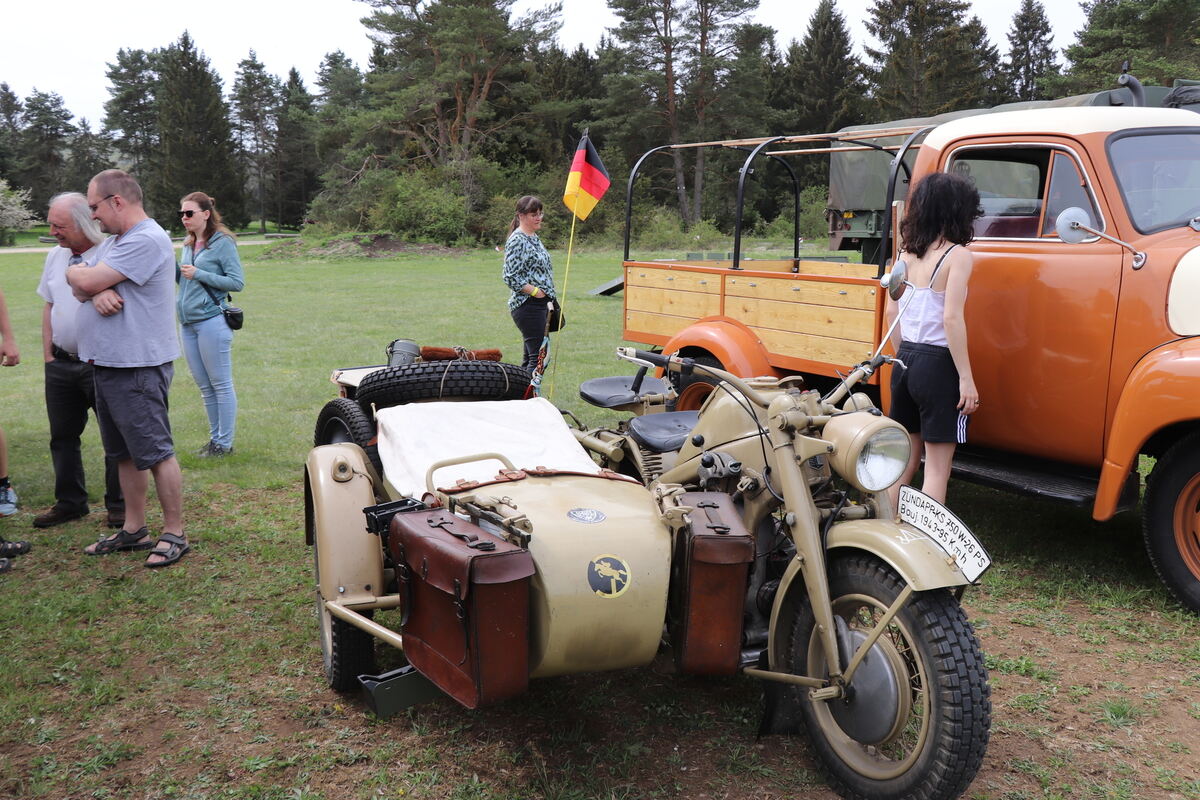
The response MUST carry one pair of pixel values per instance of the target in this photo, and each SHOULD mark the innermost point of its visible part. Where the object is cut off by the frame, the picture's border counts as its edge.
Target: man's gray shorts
(131, 407)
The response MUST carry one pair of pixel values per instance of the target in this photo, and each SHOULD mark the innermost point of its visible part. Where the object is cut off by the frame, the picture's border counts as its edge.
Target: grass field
(204, 680)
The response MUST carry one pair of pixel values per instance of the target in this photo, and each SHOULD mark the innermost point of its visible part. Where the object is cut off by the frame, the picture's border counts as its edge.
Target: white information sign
(937, 522)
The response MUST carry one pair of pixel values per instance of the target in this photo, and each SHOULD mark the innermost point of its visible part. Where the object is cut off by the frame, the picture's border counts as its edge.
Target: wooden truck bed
(820, 319)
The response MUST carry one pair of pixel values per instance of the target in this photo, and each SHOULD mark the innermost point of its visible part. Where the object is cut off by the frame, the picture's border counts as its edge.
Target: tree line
(462, 107)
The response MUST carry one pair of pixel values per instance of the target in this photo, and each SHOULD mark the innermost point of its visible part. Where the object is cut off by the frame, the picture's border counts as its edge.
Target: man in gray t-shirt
(127, 332)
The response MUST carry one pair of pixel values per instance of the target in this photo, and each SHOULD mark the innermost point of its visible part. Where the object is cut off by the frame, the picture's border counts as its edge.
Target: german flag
(588, 180)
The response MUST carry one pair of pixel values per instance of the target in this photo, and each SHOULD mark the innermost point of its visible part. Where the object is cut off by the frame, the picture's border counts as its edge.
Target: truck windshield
(1159, 175)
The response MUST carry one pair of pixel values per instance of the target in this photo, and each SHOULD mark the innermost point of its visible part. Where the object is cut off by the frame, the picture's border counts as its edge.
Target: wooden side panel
(653, 328)
(824, 293)
(674, 279)
(693, 305)
(837, 269)
(838, 352)
(838, 323)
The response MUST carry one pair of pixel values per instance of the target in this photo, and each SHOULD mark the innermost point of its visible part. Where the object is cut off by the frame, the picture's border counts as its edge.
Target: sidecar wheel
(1171, 520)
(443, 380)
(916, 721)
(343, 420)
(347, 651)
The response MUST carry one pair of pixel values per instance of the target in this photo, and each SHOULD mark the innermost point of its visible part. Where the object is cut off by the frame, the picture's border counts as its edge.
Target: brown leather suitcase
(711, 572)
(466, 605)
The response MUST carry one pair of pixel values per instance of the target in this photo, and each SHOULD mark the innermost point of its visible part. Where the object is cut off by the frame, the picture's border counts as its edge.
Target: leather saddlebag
(712, 568)
(466, 605)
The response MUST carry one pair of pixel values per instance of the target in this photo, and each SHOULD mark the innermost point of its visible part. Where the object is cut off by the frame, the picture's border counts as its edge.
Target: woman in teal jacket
(209, 269)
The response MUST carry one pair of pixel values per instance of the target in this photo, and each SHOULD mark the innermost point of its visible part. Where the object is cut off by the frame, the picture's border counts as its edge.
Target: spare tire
(443, 380)
(343, 420)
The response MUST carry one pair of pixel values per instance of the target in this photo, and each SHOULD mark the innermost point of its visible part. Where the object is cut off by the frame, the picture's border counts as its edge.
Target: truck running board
(1051, 480)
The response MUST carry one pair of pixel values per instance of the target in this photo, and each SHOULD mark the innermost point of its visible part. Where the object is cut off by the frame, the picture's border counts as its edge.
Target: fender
(337, 487)
(1163, 389)
(921, 563)
(733, 344)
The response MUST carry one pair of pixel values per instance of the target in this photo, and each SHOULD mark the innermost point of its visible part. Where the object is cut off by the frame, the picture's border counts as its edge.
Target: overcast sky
(64, 47)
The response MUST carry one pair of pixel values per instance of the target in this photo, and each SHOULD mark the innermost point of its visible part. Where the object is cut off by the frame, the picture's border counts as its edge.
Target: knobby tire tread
(348, 416)
(961, 728)
(443, 380)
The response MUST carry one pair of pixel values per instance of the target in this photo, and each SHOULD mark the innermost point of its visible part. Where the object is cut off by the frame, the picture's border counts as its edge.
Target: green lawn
(204, 680)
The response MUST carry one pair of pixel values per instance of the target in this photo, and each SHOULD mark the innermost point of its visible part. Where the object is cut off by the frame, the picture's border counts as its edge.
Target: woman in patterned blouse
(528, 272)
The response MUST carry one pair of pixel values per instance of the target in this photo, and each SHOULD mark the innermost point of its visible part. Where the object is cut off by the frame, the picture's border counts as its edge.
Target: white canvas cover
(531, 433)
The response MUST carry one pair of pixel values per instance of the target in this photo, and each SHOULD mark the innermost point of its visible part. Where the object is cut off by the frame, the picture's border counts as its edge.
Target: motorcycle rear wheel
(931, 685)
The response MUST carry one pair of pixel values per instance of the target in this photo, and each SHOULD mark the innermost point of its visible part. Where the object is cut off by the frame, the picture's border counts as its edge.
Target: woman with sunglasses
(209, 269)
(528, 272)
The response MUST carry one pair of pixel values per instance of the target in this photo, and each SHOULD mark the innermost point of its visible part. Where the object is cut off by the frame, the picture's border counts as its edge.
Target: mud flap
(397, 690)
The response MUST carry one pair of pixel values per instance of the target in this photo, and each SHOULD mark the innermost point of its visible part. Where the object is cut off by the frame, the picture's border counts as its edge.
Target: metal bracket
(395, 691)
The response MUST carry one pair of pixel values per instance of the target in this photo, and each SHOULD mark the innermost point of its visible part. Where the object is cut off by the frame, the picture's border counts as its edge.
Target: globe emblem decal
(608, 576)
(588, 516)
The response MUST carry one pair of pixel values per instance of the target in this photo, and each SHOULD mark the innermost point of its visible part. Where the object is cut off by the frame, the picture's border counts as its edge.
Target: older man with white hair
(70, 388)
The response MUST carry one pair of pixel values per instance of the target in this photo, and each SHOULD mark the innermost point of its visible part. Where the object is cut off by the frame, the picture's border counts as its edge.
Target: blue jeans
(208, 347)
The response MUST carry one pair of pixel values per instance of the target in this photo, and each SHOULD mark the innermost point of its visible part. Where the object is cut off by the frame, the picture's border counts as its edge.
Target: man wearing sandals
(127, 332)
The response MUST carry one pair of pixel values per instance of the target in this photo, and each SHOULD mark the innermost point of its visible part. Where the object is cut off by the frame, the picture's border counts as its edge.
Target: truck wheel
(693, 389)
(1171, 520)
(916, 719)
(346, 650)
(343, 420)
(443, 380)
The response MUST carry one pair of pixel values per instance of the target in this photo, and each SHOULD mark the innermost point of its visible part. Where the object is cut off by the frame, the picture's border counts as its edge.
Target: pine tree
(196, 148)
(256, 98)
(1031, 55)
(10, 129)
(90, 152)
(929, 60)
(296, 162)
(130, 114)
(651, 37)
(45, 135)
(834, 100)
(1158, 37)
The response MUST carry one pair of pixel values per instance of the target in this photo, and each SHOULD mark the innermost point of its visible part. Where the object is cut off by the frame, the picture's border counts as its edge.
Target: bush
(14, 212)
(813, 224)
(418, 208)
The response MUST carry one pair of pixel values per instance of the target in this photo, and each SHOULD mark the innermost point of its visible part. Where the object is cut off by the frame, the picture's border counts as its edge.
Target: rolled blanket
(458, 354)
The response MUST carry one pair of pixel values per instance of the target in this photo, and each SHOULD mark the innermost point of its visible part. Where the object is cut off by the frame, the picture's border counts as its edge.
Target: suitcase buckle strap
(460, 609)
(471, 539)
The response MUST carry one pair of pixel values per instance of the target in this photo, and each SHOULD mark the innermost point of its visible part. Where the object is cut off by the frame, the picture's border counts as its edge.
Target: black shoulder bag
(234, 316)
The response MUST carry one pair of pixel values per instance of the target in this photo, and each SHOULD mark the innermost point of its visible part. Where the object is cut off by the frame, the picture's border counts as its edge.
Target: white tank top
(922, 320)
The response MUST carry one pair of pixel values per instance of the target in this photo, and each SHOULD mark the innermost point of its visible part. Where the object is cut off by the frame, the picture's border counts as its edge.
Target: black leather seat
(617, 391)
(663, 433)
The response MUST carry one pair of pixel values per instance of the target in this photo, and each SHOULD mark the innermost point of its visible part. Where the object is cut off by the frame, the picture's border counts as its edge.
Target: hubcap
(1187, 525)
(692, 397)
(871, 707)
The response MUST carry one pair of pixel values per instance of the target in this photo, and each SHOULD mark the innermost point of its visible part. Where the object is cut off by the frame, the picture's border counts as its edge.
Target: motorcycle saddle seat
(663, 433)
(618, 391)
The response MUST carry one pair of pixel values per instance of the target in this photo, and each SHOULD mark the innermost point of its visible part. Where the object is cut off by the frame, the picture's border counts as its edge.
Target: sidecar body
(601, 543)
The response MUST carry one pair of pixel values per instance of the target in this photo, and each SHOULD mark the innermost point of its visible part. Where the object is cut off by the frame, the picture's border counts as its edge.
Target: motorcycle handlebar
(685, 366)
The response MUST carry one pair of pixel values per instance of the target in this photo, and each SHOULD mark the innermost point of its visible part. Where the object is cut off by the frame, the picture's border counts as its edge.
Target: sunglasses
(188, 214)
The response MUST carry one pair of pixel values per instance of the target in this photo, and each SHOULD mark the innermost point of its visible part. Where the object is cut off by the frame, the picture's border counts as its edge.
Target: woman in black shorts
(934, 397)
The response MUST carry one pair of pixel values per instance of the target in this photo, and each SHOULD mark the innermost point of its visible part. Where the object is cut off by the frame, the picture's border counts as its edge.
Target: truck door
(1040, 313)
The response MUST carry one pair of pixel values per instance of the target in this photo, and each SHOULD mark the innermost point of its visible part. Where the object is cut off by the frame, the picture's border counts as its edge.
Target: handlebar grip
(657, 359)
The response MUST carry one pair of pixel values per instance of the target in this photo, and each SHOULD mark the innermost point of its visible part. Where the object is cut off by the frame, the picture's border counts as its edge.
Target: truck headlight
(870, 451)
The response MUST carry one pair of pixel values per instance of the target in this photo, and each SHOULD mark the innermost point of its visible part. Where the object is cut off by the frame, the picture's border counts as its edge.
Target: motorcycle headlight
(869, 451)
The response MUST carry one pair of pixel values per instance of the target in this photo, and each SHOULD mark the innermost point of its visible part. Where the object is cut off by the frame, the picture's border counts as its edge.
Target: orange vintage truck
(1083, 338)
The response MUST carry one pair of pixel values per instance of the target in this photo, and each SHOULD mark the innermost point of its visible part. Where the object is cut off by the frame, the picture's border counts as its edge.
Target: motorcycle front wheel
(916, 718)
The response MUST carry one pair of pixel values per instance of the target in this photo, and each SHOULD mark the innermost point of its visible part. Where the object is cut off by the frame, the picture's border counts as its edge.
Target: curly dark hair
(943, 205)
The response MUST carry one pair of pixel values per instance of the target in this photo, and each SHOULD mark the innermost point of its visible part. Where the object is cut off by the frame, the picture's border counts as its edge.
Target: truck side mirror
(1072, 225)
(894, 281)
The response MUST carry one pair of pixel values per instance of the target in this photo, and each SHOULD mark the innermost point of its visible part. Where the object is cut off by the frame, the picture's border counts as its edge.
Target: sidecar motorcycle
(757, 532)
